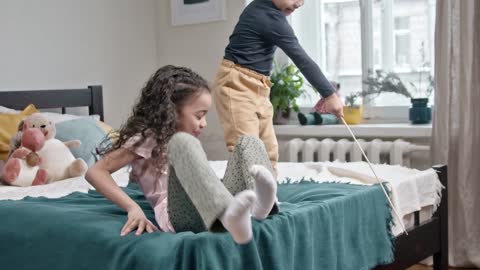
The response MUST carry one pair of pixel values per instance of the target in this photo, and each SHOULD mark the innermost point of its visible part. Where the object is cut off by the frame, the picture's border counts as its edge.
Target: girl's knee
(183, 138)
(182, 142)
(249, 140)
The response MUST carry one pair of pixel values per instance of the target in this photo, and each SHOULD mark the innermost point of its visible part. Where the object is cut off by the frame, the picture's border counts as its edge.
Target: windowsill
(400, 130)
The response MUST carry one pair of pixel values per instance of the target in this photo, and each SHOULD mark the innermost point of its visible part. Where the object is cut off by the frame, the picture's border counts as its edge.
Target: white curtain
(456, 125)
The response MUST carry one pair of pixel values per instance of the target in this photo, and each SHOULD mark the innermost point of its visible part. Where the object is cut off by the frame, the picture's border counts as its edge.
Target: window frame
(387, 56)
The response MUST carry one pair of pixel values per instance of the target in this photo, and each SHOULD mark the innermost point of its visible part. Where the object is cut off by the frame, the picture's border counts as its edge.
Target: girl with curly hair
(159, 141)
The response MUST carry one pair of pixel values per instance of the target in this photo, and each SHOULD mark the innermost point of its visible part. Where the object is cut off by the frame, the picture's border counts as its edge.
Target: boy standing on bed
(242, 84)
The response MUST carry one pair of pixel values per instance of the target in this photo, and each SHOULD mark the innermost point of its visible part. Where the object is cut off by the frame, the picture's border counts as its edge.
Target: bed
(79, 230)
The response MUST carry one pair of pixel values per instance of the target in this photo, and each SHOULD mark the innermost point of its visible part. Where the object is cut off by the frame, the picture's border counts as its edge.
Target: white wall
(200, 47)
(52, 44)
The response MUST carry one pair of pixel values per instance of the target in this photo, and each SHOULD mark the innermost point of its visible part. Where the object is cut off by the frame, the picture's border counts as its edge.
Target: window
(402, 42)
(347, 38)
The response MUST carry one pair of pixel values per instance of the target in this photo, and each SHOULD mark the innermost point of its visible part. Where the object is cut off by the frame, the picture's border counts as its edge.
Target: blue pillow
(87, 131)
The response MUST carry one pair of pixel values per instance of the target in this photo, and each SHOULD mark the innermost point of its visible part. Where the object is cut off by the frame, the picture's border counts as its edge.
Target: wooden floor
(423, 267)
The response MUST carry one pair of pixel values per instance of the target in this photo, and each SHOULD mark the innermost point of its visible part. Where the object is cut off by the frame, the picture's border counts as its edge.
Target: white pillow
(58, 117)
(6, 110)
(52, 116)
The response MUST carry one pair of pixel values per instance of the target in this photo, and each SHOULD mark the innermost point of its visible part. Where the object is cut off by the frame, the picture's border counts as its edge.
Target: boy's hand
(334, 105)
(138, 220)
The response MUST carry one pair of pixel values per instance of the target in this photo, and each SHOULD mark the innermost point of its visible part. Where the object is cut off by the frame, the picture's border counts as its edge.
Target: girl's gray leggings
(196, 196)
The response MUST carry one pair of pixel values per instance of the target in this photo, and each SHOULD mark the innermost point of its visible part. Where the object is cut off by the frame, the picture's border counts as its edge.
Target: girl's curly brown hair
(154, 113)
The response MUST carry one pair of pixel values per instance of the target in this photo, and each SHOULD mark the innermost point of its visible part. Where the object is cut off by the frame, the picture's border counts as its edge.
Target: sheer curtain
(456, 126)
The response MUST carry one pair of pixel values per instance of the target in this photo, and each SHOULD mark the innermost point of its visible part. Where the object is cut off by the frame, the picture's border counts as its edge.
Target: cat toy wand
(376, 177)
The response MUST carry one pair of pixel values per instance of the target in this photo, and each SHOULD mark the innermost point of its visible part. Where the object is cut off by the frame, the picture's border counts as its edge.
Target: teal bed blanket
(320, 226)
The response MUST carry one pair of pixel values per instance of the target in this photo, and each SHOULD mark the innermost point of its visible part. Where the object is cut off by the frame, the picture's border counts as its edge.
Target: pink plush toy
(23, 166)
(57, 159)
(53, 160)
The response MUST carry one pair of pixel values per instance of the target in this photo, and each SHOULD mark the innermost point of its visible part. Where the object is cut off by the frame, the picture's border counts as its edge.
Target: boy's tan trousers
(242, 100)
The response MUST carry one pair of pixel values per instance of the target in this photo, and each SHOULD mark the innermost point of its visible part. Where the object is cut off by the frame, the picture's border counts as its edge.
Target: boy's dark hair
(154, 113)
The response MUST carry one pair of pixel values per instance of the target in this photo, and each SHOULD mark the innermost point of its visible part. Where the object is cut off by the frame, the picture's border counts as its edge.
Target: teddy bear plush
(57, 161)
(22, 167)
(16, 140)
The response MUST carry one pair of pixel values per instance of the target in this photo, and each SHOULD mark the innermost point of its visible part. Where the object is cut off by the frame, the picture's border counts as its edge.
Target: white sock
(236, 218)
(265, 187)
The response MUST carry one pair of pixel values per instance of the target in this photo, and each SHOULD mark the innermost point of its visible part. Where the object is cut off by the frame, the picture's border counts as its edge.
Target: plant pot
(353, 115)
(420, 113)
(281, 117)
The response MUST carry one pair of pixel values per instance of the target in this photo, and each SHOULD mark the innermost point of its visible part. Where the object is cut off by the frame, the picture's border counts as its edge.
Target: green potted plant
(385, 82)
(420, 113)
(380, 81)
(286, 88)
(353, 109)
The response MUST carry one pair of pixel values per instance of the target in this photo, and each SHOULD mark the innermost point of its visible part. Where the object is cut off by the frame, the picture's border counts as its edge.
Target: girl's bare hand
(137, 220)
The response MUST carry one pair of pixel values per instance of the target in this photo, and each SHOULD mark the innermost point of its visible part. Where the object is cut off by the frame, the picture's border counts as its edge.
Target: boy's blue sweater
(260, 30)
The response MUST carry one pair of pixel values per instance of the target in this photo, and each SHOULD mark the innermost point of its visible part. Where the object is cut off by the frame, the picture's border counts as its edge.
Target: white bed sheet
(58, 189)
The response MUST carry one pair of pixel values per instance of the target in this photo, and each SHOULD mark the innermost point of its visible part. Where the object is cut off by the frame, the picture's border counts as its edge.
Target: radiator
(378, 151)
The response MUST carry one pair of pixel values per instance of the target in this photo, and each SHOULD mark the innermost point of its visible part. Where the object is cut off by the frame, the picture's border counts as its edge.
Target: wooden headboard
(90, 97)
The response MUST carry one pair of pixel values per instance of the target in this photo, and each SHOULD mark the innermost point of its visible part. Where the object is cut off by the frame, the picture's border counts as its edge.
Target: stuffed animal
(56, 157)
(40, 163)
(22, 168)
(16, 140)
